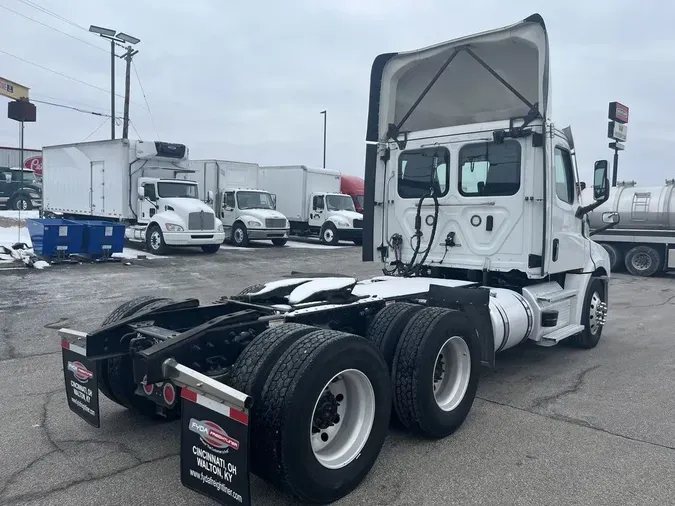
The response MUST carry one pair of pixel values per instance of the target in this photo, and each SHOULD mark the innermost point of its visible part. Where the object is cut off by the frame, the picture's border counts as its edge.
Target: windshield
(339, 203)
(359, 200)
(177, 190)
(254, 200)
(28, 176)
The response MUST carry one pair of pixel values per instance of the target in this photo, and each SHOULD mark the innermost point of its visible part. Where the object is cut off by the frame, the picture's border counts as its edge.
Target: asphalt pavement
(551, 426)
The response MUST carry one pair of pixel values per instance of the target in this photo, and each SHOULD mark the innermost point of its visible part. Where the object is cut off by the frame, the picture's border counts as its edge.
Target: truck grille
(275, 223)
(358, 223)
(201, 221)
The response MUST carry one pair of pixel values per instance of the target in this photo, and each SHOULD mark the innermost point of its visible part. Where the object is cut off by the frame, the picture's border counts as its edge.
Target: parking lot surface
(551, 426)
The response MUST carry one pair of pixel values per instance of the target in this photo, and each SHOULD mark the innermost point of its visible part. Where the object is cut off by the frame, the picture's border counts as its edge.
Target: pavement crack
(578, 422)
(574, 388)
(10, 350)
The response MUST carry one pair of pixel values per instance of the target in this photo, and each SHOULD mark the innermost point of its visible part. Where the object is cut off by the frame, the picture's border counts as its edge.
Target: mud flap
(214, 437)
(81, 382)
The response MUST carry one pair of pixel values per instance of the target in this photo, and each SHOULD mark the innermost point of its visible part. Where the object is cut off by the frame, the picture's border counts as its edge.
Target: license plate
(81, 383)
(214, 449)
(62, 248)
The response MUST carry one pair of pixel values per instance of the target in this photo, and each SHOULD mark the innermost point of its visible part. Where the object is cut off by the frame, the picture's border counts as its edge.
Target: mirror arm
(602, 229)
(582, 210)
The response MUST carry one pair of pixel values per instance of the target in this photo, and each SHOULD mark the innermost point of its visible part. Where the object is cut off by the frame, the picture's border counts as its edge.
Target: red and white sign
(34, 163)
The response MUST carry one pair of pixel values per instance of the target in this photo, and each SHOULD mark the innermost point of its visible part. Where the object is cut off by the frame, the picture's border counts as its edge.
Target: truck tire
(239, 235)
(386, 328)
(154, 240)
(616, 260)
(435, 372)
(210, 248)
(643, 261)
(590, 336)
(279, 242)
(323, 416)
(329, 234)
(116, 378)
(20, 203)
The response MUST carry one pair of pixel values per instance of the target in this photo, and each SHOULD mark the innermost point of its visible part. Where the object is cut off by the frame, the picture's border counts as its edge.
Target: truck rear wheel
(592, 316)
(279, 241)
(323, 416)
(386, 328)
(116, 376)
(435, 372)
(210, 248)
(616, 260)
(643, 261)
(154, 240)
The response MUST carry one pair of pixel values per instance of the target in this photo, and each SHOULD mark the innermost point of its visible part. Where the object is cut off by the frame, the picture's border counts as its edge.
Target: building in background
(11, 157)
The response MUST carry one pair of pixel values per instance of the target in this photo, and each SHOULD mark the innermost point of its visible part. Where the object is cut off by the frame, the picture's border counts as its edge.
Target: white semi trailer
(247, 212)
(471, 207)
(135, 183)
(643, 242)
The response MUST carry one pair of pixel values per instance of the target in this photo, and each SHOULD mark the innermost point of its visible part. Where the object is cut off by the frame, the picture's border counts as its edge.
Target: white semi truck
(643, 242)
(472, 208)
(132, 182)
(247, 212)
(311, 200)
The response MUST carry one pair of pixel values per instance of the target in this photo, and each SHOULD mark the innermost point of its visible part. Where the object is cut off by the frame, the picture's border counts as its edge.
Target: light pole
(117, 38)
(325, 114)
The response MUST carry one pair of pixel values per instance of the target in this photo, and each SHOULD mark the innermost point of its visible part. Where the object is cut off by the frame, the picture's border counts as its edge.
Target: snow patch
(16, 215)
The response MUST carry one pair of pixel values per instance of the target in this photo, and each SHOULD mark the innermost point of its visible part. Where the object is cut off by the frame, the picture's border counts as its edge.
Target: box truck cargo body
(311, 200)
(247, 212)
(135, 183)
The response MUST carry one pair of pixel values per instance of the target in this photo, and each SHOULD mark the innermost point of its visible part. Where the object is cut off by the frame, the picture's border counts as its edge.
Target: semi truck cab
(249, 214)
(336, 216)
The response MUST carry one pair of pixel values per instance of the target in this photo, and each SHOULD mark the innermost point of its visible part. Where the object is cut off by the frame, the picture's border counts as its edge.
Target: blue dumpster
(102, 238)
(55, 236)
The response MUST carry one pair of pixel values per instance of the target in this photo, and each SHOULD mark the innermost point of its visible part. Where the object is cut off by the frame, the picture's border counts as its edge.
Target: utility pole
(127, 89)
(117, 38)
(325, 114)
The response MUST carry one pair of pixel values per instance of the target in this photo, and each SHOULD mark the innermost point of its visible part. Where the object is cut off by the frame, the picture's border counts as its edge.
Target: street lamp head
(128, 38)
(102, 31)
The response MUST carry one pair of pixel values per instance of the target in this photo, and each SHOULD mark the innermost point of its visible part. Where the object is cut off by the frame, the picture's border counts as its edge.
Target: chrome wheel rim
(155, 240)
(343, 417)
(642, 261)
(452, 371)
(328, 235)
(239, 236)
(596, 313)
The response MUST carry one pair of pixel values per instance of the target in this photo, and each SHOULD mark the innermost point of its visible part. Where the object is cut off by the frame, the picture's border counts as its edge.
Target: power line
(64, 106)
(146, 100)
(134, 127)
(53, 14)
(96, 130)
(68, 101)
(52, 28)
(61, 74)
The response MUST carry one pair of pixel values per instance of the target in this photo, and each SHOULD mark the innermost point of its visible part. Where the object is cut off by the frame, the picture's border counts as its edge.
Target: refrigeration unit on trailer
(247, 212)
(135, 183)
(472, 209)
(643, 242)
(311, 200)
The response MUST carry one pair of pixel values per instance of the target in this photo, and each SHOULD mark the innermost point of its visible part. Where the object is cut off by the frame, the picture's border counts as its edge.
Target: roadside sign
(617, 131)
(214, 449)
(34, 163)
(81, 383)
(618, 112)
(13, 90)
(617, 146)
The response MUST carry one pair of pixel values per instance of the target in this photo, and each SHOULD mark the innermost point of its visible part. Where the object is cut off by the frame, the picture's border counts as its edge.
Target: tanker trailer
(643, 241)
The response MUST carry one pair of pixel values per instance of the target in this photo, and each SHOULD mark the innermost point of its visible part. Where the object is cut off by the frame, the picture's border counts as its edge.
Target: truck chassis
(296, 380)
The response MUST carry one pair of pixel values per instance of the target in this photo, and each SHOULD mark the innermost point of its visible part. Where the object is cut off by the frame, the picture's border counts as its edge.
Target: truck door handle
(556, 243)
(489, 222)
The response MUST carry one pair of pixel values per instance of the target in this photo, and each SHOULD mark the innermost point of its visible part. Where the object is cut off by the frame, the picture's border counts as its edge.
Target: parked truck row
(167, 200)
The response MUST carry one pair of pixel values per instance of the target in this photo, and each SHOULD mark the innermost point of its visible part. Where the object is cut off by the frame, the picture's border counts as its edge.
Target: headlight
(34, 195)
(342, 223)
(220, 228)
(172, 227)
(254, 224)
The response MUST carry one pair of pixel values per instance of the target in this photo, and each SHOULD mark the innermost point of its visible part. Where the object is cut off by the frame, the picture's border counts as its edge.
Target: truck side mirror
(209, 196)
(274, 200)
(600, 181)
(611, 217)
(141, 193)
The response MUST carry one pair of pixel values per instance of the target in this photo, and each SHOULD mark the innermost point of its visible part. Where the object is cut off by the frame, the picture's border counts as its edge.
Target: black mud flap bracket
(475, 303)
(214, 436)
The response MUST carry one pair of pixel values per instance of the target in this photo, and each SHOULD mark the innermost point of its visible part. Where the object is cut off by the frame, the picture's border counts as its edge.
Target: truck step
(556, 296)
(558, 335)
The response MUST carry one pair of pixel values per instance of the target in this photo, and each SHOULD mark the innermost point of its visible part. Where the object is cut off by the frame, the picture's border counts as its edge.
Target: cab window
(564, 175)
(229, 200)
(317, 203)
(489, 169)
(421, 171)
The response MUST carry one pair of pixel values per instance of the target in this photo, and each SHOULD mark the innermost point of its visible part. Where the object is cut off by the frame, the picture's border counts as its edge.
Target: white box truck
(132, 182)
(311, 200)
(247, 213)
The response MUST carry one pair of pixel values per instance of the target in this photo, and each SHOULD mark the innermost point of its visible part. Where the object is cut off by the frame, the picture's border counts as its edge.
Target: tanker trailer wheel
(643, 261)
(616, 260)
(116, 377)
(435, 372)
(592, 315)
(323, 416)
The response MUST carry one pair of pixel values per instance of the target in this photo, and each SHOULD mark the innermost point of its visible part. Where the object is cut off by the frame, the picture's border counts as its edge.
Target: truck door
(148, 204)
(228, 212)
(97, 188)
(567, 246)
(317, 213)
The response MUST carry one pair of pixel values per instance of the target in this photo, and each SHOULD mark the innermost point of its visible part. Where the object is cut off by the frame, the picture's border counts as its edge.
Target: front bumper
(349, 234)
(193, 238)
(267, 233)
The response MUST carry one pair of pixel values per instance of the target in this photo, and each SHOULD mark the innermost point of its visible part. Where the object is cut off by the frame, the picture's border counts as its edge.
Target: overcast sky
(248, 82)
